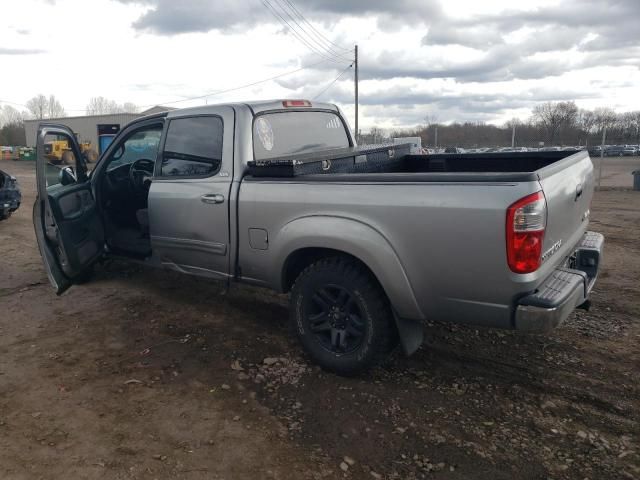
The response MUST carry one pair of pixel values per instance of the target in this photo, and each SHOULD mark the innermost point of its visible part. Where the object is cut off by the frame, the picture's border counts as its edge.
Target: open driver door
(67, 224)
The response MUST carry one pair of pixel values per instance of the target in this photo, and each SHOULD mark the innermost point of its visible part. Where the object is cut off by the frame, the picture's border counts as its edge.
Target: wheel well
(300, 259)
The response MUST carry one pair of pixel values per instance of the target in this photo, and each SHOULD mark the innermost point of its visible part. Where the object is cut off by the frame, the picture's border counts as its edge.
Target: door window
(193, 147)
(59, 152)
(142, 144)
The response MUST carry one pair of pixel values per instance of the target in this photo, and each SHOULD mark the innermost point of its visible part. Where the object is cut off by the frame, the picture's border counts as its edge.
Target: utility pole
(436, 135)
(355, 64)
(513, 135)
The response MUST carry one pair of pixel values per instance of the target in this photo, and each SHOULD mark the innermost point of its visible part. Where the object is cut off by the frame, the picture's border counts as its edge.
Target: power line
(334, 81)
(318, 33)
(14, 103)
(323, 47)
(295, 33)
(210, 94)
(219, 92)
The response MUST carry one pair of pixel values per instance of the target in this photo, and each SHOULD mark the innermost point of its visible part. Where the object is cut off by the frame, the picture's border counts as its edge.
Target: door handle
(212, 198)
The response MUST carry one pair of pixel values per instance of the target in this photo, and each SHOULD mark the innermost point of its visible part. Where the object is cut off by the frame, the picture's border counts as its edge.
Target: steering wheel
(140, 174)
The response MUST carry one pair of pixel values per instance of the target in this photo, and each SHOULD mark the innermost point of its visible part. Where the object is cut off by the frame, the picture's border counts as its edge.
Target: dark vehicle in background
(614, 151)
(10, 195)
(453, 150)
(595, 151)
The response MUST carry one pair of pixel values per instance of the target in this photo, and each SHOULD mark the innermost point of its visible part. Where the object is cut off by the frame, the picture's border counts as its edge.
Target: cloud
(21, 51)
(170, 17)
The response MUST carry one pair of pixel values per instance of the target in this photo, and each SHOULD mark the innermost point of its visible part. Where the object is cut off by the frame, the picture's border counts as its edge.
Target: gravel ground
(148, 374)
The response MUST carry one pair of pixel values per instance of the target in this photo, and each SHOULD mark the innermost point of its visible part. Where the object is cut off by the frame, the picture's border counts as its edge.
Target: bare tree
(55, 108)
(514, 122)
(586, 120)
(10, 116)
(554, 116)
(105, 106)
(38, 106)
(129, 107)
(41, 107)
(605, 117)
(635, 122)
(101, 106)
(430, 119)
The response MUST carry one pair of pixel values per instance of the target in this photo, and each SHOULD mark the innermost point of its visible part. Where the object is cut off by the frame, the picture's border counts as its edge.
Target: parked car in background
(453, 150)
(513, 149)
(630, 151)
(595, 150)
(614, 151)
(10, 196)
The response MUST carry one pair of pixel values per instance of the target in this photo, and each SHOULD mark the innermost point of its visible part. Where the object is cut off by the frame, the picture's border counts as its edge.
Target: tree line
(550, 124)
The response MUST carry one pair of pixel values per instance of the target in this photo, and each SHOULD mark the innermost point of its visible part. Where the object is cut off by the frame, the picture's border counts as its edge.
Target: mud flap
(411, 333)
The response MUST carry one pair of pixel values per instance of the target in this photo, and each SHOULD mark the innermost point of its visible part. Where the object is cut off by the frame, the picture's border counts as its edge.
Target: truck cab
(164, 189)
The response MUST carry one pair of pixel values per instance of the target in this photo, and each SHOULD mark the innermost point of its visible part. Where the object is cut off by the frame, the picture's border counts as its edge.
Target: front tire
(341, 316)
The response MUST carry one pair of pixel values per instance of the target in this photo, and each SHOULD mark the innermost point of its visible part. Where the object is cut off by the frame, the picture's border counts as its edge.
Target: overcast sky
(473, 60)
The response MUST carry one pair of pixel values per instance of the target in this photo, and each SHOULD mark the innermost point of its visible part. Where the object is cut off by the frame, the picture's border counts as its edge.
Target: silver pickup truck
(497, 240)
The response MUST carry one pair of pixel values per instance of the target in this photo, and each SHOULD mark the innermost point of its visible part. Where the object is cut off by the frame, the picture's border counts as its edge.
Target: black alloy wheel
(335, 319)
(342, 316)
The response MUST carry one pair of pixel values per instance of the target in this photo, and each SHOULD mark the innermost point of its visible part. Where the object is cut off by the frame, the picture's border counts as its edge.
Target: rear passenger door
(189, 195)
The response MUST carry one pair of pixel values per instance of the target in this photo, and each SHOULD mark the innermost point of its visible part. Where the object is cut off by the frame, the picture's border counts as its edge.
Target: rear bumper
(565, 289)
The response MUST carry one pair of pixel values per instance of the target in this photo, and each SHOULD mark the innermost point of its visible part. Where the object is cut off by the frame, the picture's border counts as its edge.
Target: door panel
(79, 235)
(189, 199)
(66, 221)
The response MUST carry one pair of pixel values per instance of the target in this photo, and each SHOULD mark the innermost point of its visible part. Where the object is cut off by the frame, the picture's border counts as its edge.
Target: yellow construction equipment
(58, 151)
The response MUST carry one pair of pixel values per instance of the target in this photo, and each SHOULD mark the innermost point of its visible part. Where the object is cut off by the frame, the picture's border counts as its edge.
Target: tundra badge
(554, 248)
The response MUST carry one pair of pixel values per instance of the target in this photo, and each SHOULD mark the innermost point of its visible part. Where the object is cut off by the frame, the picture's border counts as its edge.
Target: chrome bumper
(564, 290)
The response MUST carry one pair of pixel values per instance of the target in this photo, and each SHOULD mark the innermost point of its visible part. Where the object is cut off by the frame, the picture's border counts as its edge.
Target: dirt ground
(151, 375)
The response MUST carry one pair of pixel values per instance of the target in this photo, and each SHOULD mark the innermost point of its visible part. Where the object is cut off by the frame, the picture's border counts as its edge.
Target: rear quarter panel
(448, 239)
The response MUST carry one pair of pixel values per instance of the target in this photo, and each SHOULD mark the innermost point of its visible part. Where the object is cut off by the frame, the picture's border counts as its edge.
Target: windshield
(285, 133)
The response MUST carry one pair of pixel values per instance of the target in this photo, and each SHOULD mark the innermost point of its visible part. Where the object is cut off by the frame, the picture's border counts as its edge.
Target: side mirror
(67, 176)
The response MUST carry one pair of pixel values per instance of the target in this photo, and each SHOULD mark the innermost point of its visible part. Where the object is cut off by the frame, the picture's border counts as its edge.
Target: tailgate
(568, 189)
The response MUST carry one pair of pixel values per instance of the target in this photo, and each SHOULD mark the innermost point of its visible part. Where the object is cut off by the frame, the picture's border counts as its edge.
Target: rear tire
(67, 158)
(91, 155)
(341, 316)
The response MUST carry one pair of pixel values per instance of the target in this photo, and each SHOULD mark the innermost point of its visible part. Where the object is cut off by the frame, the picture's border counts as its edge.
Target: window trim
(280, 110)
(157, 174)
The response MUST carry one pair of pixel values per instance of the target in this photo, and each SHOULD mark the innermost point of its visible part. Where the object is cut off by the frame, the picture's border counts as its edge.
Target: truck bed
(482, 162)
(479, 167)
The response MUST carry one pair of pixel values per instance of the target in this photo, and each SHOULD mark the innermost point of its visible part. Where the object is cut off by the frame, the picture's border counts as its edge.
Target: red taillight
(526, 222)
(296, 103)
